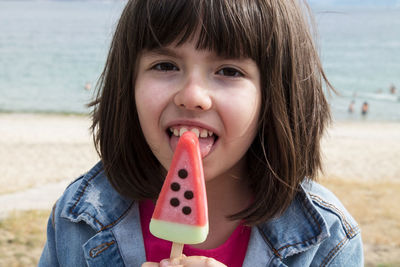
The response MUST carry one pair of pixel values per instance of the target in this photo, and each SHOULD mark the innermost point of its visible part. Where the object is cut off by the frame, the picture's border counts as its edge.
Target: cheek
(240, 113)
(148, 111)
(150, 105)
(150, 101)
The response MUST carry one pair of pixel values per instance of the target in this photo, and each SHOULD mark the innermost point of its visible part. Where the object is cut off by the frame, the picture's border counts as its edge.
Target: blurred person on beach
(392, 89)
(364, 109)
(351, 107)
(88, 86)
(245, 76)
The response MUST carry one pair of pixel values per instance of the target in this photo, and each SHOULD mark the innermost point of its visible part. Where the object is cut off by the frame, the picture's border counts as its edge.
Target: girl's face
(181, 88)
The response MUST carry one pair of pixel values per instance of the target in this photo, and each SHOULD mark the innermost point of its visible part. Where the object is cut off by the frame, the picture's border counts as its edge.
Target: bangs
(230, 30)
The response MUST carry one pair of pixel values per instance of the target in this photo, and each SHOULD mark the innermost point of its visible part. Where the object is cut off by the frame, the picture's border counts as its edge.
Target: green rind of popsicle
(178, 232)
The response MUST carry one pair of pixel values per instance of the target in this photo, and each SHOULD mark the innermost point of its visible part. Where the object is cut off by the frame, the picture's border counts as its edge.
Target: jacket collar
(96, 202)
(299, 228)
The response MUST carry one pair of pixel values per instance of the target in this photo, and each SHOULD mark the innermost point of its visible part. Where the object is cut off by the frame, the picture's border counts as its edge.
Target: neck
(226, 195)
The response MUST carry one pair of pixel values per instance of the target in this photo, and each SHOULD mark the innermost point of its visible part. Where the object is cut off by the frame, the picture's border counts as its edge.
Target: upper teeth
(199, 132)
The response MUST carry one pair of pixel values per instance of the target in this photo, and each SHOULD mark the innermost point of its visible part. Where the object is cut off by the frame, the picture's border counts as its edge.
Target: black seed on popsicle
(174, 202)
(186, 210)
(188, 194)
(182, 173)
(175, 186)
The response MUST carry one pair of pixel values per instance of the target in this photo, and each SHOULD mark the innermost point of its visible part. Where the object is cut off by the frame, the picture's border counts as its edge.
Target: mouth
(207, 138)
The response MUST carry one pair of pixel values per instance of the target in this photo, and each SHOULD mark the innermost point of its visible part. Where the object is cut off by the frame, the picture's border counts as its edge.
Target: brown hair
(294, 111)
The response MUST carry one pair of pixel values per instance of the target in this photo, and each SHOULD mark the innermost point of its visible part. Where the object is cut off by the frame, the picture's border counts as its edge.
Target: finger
(213, 262)
(150, 264)
(172, 262)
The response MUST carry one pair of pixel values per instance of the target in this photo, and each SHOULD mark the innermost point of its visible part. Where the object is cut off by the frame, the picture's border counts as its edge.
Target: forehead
(188, 48)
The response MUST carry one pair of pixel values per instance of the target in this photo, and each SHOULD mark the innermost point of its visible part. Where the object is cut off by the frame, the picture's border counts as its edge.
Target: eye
(165, 66)
(230, 72)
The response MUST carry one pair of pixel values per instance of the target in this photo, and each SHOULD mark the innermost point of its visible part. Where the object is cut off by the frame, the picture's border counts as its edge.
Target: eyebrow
(161, 51)
(165, 51)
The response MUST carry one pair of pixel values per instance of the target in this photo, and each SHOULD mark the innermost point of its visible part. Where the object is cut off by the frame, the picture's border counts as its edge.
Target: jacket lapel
(97, 204)
(298, 229)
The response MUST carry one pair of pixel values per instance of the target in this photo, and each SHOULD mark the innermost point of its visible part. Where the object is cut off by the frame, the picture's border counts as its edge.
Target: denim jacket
(92, 225)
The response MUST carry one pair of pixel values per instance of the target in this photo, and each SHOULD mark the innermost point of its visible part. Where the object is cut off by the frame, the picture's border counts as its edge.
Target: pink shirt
(231, 253)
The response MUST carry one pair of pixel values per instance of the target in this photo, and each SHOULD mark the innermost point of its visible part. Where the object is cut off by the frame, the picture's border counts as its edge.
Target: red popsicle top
(183, 196)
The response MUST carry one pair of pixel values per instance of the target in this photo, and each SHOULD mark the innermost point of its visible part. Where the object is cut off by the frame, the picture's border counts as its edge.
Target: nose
(194, 95)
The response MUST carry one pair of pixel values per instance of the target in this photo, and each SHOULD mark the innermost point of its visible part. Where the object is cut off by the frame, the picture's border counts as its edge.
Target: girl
(244, 75)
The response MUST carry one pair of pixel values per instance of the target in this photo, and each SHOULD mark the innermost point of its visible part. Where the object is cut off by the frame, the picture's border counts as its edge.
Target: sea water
(49, 51)
(360, 52)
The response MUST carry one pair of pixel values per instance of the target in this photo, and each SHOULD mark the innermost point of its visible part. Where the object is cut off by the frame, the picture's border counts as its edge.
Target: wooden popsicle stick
(176, 250)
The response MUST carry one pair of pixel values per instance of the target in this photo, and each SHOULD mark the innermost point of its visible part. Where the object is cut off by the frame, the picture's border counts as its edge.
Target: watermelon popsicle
(181, 214)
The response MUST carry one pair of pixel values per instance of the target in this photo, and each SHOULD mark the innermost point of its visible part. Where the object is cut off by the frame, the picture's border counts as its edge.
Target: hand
(183, 261)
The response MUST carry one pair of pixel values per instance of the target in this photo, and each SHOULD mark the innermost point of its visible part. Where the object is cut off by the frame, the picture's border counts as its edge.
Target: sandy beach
(49, 151)
(40, 154)
(36, 149)
(362, 150)
(43, 153)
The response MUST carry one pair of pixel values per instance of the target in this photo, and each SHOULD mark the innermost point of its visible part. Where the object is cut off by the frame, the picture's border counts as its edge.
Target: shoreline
(45, 112)
(350, 118)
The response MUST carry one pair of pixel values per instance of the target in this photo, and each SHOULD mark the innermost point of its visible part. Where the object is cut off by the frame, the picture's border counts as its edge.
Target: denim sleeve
(351, 254)
(49, 254)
